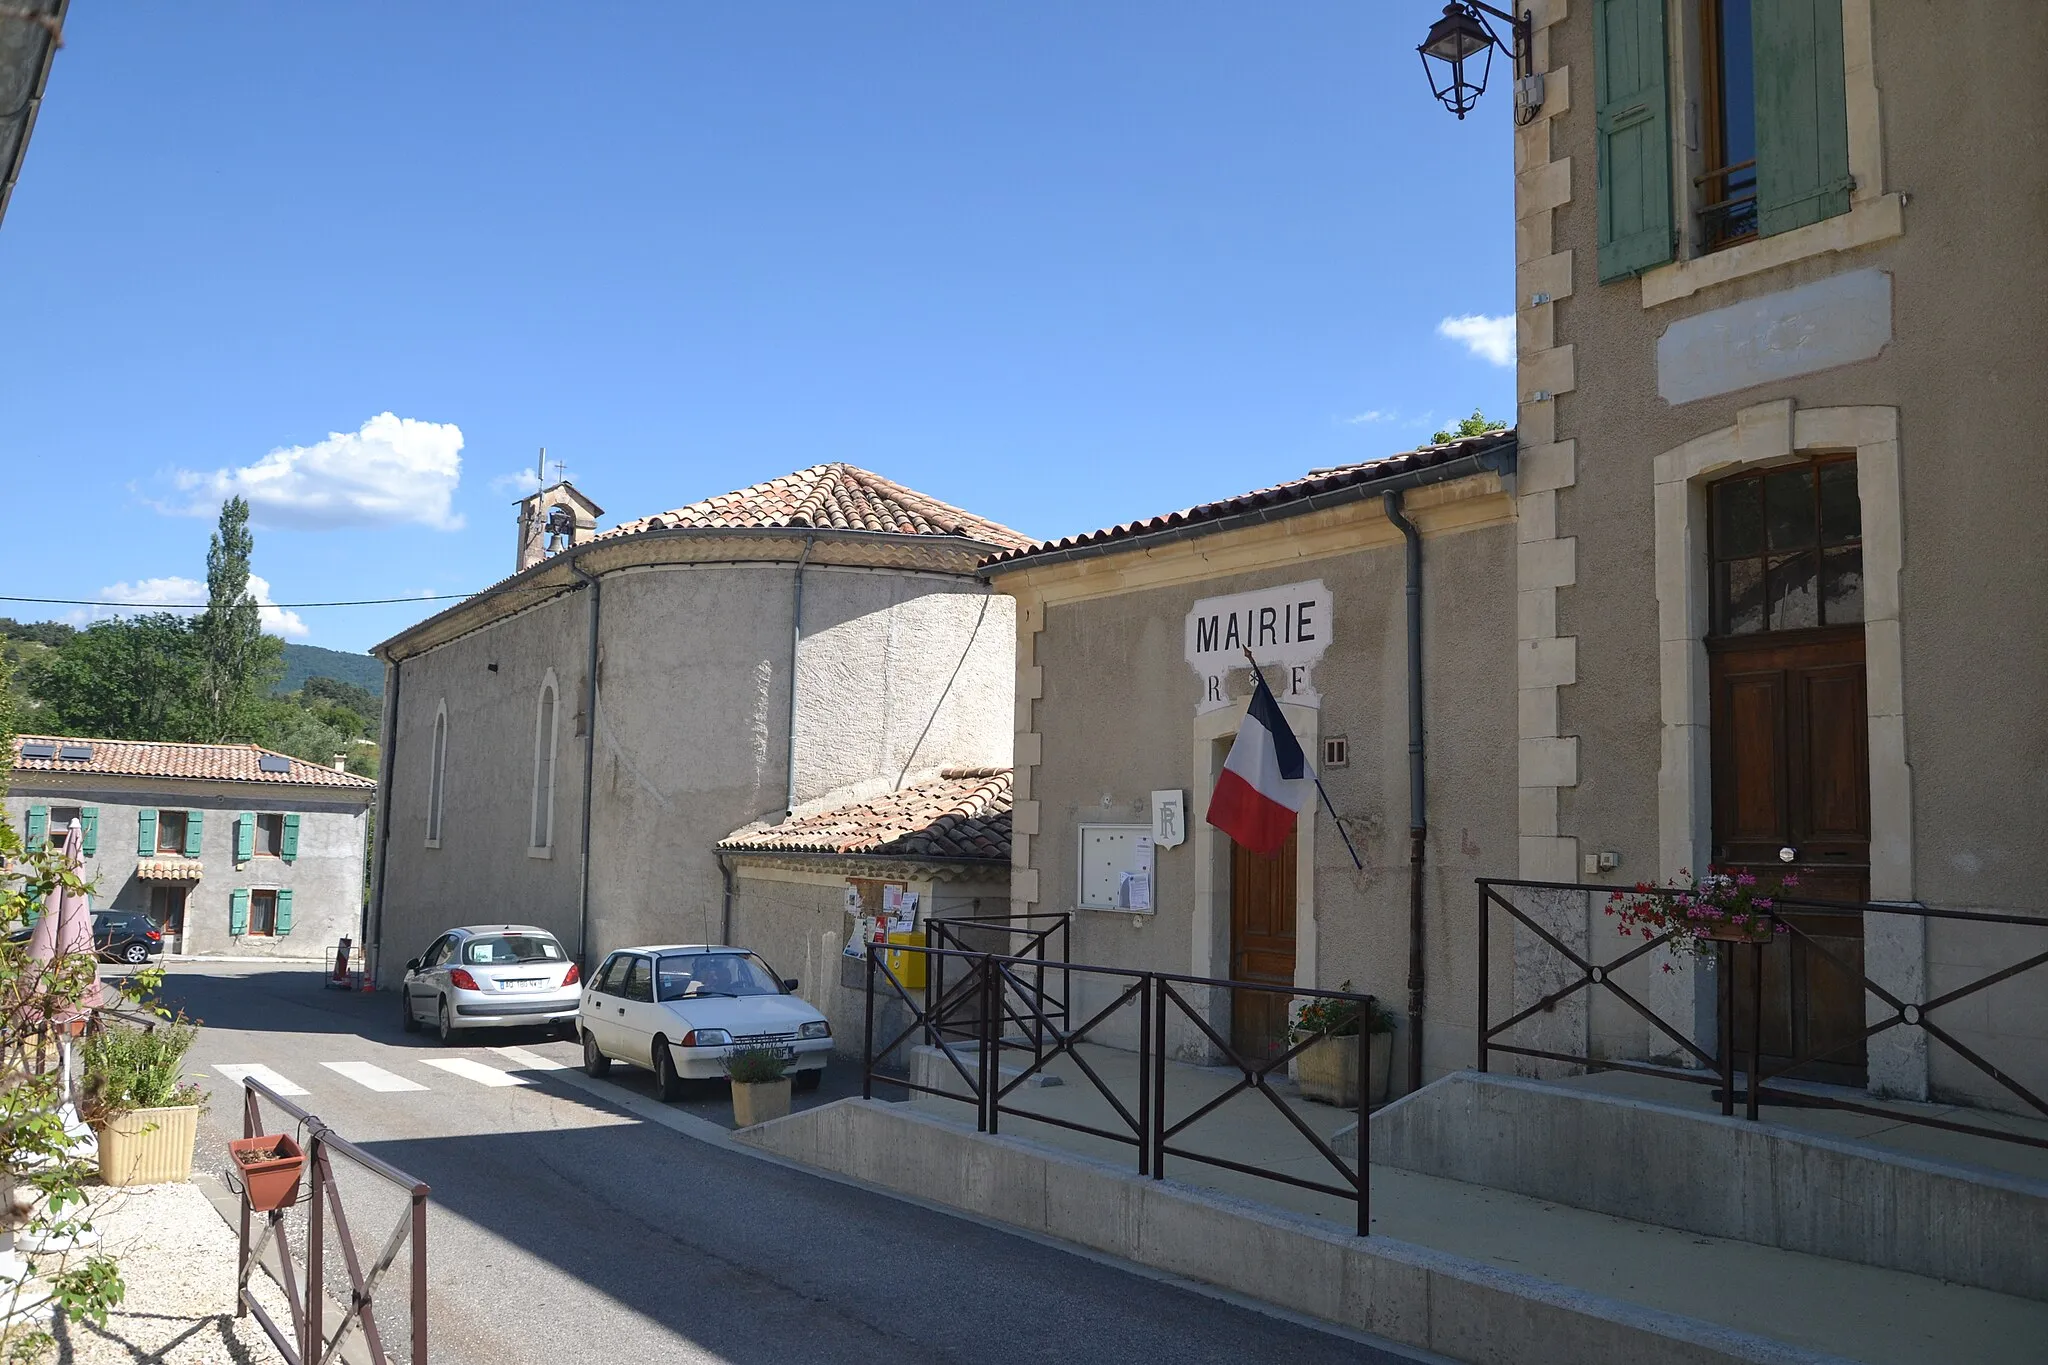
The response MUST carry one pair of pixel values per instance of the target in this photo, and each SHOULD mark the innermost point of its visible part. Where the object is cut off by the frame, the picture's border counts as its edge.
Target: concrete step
(1697, 1172)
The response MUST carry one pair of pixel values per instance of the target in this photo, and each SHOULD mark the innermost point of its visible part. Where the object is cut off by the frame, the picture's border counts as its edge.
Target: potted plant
(268, 1167)
(1721, 907)
(145, 1113)
(760, 1084)
(1327, 1069)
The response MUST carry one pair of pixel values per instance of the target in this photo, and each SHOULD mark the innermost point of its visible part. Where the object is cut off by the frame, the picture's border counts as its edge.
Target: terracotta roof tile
(204, 762)
(834, 497)
(962, 813)
(1295, 490)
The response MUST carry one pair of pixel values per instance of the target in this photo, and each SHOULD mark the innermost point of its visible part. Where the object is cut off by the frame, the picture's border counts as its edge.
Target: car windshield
(692, 974)
(505, 950)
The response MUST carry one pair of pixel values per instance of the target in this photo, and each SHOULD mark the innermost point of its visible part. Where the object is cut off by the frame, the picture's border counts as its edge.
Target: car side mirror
(412, 964)
(790, 985)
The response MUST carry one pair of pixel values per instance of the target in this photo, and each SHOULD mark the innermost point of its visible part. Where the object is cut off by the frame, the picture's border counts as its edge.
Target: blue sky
(1063, 264)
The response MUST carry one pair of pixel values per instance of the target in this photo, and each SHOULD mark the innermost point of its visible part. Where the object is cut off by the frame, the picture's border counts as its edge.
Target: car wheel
(666, 1083)
(447, 1022)
(135, 953)
(595, 1063)
(409, 1021)
(808, 1080)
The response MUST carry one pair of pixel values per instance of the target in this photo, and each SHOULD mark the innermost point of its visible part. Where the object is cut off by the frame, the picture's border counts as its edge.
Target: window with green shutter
(194, 825)
(238, 912)
(290, 849)
(145, 833)
(1802, 114)
(1632, 127)
(89, 823)
(284, 911)
(36, 829)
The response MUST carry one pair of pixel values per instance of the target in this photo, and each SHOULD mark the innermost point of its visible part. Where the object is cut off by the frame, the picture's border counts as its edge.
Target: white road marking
(476, 1071)
(523, 1060)
(374, 1077)
(238, 1071)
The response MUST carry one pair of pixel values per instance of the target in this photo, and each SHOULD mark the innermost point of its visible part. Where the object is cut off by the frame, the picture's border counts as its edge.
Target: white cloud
(175, 594)
(1491, 339)
(1369, 417)
(516, 485)
(394, 470)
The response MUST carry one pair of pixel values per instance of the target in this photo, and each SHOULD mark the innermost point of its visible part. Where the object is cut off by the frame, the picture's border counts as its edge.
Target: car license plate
(531, 983)
(788, 1054)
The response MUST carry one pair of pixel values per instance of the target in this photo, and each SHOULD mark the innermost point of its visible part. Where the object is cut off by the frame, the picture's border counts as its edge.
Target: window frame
(1710, 182)
(437, 774)
(266, 821)
(547, 726)
(601, 986)
(1817, 548)
(641, 962)
(258, 895)
(177, 846)
(55, 830)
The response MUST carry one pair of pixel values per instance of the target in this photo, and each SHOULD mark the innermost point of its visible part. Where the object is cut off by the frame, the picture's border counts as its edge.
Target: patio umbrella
(67, 926)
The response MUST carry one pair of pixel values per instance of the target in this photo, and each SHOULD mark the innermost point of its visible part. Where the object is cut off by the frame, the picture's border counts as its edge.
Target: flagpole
(1314, 776)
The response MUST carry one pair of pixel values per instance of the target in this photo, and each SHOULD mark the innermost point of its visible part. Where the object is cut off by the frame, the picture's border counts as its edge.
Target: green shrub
(1339, 1018)
(131, 1068)
(752, 1065)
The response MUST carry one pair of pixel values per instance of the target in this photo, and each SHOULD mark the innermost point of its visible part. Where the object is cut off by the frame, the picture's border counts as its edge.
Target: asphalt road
(567, 1225)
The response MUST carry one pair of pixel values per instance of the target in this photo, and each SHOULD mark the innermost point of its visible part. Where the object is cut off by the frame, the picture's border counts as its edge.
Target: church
(568, 747)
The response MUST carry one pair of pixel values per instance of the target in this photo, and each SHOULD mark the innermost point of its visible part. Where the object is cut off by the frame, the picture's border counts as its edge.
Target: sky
(1063, 264)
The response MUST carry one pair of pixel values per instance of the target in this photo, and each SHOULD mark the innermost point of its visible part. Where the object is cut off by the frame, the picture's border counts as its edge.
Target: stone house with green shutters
(230, 848)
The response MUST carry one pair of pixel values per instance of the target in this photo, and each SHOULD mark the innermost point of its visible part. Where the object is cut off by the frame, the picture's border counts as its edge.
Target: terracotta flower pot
(148, 1146)
(269, 1167)
(759, 1101)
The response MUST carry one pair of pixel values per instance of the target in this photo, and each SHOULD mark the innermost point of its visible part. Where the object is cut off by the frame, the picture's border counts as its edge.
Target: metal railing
(1717, 1060)
(1042, 937)
(304, 1287)
(1013, 1011)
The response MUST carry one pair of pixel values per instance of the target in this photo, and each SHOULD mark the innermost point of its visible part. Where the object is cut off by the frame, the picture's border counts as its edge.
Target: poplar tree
(236, 660)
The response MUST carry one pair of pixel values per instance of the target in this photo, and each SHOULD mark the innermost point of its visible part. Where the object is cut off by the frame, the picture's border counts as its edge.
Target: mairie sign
(1286, 629)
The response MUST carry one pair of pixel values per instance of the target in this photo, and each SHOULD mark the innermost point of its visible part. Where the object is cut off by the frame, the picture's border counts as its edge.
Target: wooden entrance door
(1792, 772)
(1261, 949)
(167, 909)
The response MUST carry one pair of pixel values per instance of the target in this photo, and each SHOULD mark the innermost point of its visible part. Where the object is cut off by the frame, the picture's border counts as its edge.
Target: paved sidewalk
(178, 1260)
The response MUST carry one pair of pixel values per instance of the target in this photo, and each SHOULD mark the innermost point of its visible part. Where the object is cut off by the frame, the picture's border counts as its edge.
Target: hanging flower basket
(1721, 907)
(267, 1168)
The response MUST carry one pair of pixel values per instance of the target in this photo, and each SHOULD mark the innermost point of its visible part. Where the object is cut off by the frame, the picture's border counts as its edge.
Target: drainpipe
(589, 758)
(1418, 824)
(725, 911)
(387, 767)
(796, 639)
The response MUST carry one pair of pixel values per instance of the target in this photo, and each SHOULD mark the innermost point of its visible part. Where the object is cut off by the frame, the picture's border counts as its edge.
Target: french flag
(1265, 781)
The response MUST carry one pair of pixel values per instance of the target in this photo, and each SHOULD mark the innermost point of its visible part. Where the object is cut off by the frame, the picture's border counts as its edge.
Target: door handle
(1787, 854)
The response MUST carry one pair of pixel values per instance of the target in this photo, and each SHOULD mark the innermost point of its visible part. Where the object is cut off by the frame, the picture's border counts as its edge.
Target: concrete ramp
(1409, 1293)
(1766, 1183)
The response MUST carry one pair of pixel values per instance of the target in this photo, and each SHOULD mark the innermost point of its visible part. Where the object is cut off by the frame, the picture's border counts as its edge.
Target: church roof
(828, 497)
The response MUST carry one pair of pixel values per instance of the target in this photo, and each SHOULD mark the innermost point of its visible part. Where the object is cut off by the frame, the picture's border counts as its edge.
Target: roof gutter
(52, 24)
(1500, 460)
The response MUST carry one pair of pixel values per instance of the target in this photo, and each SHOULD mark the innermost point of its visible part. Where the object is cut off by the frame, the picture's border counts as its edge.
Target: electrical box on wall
(1116, 868)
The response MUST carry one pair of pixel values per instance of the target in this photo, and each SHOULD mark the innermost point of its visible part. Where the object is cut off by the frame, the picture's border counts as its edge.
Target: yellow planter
(149, 1146)
(759, 1101)
(1327, 1069)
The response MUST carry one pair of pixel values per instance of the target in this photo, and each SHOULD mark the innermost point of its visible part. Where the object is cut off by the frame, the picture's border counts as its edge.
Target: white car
(490, 976)
(680, 1010)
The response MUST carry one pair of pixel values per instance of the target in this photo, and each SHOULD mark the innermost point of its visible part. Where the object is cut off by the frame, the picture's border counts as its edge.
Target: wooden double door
(1261, 949)
(1791, 794)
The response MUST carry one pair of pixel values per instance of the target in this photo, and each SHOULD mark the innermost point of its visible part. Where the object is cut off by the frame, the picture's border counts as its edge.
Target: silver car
(491, 976)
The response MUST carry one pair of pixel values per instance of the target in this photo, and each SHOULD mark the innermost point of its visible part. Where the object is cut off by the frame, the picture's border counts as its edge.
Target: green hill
(310, 661)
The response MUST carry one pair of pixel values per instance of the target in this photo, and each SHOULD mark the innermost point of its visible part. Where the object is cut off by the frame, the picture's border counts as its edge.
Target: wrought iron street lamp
(1462, 37)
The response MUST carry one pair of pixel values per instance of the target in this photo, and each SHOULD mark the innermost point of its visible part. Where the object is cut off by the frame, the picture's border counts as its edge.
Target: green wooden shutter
(1802, 114)
(38, 828)
(245, 836)
(284, 912)
(145, 832)
(1632, 127)
(195, 824)
(238, 912)
(89, 820)
(291, 836)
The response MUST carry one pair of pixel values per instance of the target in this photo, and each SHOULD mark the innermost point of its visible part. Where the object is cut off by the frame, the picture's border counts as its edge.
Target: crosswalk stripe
(238, 1071)
(372, 1076)
(471, 1070)
(529, 1061)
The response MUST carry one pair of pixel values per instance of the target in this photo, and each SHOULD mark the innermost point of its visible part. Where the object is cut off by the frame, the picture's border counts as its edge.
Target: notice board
(1116, 868)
